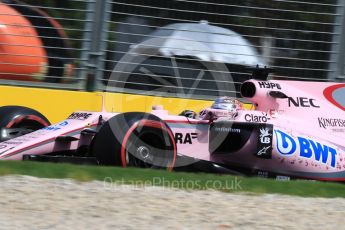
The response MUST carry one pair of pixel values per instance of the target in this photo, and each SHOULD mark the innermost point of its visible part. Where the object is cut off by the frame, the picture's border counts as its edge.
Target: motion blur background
(76, 44)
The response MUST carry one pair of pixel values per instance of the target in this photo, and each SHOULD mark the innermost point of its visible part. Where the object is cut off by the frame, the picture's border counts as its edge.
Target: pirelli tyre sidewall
(19, 117)
(135, 139)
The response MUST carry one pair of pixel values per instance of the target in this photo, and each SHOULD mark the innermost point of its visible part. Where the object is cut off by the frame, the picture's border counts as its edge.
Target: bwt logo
(306, 148)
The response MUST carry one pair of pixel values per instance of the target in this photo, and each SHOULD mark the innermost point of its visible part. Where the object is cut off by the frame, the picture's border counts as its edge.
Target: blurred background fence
(153, 47)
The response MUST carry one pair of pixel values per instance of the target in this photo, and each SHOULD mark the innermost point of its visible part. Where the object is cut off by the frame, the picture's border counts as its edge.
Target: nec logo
(181, 138)
(302, 102)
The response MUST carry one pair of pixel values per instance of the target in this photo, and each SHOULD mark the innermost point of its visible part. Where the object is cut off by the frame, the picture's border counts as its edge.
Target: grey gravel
(35, 203)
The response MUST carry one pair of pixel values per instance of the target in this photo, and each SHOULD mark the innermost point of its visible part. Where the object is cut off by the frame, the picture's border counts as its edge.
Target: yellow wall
(56, 105)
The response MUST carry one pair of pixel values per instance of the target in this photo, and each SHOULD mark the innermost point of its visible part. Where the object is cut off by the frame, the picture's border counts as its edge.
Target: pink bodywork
(308, 132)
(43, 141)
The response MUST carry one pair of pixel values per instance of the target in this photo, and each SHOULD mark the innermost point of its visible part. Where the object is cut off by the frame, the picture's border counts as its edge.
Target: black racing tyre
(137, 140)
(18, 120)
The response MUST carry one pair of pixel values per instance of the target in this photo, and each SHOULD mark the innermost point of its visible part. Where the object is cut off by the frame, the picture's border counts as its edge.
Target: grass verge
(189, 181)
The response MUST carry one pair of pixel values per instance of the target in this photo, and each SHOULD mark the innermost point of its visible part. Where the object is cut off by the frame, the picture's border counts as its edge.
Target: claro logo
(257, 118)
(302, 102)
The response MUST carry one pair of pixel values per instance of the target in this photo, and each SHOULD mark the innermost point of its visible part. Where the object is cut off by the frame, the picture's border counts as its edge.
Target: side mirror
(277, 94)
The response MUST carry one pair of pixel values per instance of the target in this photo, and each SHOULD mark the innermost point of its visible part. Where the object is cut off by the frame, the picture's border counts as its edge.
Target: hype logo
(306, 148)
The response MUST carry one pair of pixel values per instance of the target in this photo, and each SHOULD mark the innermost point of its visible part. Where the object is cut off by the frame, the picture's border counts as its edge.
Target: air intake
(248, 89)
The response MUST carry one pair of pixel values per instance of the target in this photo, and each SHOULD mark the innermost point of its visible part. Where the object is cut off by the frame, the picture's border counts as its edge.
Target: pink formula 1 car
(297, 130)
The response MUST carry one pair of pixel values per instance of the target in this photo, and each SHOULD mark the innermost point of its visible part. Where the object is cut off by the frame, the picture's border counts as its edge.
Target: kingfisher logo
(330, 122)
(306, 148)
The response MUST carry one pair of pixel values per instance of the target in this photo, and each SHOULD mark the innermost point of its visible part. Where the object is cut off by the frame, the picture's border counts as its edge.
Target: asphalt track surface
(32, 203)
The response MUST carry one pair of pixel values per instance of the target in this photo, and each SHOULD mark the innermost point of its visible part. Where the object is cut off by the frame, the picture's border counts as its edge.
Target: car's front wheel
(135, 139)
(18, 120)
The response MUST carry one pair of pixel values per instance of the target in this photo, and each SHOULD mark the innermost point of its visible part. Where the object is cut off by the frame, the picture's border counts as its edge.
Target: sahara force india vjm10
(297, 130)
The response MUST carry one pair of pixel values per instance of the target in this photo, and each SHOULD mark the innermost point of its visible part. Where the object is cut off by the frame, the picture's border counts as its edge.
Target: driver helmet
(227, 103)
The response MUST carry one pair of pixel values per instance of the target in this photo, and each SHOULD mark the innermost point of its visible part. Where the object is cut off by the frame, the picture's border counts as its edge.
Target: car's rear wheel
(137, 140)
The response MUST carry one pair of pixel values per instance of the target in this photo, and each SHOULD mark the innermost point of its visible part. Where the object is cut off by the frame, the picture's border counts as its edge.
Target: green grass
(189, 181)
